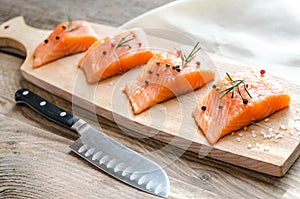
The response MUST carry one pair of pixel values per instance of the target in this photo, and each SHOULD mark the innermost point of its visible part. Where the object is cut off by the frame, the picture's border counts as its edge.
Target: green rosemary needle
(124, 41)
(187, 58)
(70, 26)
(235, 86)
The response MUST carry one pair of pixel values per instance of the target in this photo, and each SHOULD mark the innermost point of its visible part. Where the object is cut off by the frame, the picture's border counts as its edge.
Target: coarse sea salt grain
(281, 133)
(163, 109)
(267, 119)
(249, 146)
(278, 136)
(257, 145)
(241, 134)
(266, 148)
(245, 128)
(283, 127)
(238, 139)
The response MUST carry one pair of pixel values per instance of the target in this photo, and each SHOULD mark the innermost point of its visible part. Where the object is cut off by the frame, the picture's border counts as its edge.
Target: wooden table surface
(35, 159)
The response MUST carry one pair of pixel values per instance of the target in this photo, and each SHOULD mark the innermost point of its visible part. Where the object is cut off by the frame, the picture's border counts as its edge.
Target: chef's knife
(101, 150)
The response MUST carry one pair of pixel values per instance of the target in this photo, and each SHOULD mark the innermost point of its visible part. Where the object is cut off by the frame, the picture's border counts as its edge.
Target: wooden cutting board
(270, 146)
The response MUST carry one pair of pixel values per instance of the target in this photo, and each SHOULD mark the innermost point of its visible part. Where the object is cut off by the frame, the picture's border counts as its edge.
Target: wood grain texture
(22, 131)
(175, 125)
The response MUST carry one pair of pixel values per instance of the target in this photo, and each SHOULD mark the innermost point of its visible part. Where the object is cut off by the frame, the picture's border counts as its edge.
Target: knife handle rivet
(42, 103)
(62, 114)
(25, 92)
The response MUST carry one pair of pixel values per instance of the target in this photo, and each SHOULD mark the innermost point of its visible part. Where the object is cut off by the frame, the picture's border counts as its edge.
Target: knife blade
(102, 151)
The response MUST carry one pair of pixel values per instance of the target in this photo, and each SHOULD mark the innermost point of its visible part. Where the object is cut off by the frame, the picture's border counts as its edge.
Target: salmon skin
(66, 39)
(115, 54)
(161, 79)
(218, 116)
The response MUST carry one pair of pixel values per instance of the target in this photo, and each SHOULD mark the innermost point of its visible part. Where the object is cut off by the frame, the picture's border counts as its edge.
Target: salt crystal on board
(283, 127)
(266, 148)
(257, 145)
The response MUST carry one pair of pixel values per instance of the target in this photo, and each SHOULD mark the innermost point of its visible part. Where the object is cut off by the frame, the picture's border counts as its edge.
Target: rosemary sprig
(124, 41)
(185, 59)
(70, 26)
(235, 85)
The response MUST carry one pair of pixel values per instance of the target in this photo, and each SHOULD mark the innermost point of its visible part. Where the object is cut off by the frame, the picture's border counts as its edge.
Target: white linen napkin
(263, 34)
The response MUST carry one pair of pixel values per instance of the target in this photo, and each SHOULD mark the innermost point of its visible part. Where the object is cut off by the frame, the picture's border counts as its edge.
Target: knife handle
(45, 108)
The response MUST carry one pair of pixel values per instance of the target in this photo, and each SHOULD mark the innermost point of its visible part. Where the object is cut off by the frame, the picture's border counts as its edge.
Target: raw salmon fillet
(115, 54)
(160, 80)
(218, 116)
(64, 41)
